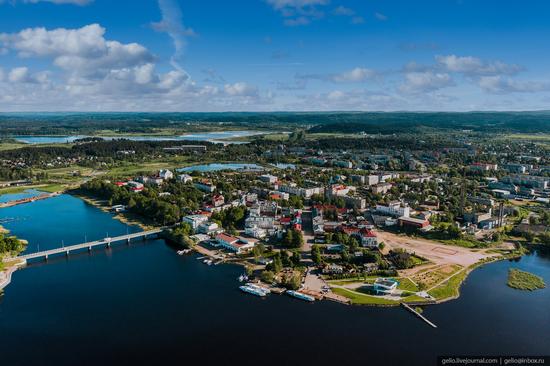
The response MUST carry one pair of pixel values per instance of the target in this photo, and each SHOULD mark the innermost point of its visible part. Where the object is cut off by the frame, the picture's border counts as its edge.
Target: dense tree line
(10, 244)
(146, 203)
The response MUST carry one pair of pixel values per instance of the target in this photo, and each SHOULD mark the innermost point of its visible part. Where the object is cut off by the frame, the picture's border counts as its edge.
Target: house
(205, 185)
(165, 174)
(195, 220)
(218, 200)
(184, 178)
(135, 186)
(255, 232)
(234, 244)
(368, 238)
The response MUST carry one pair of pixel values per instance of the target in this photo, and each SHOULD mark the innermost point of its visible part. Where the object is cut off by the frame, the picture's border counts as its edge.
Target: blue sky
(270, 55)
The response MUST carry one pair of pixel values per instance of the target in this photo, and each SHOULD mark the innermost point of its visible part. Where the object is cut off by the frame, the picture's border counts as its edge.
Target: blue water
(17, 196)
(144, 305)
(204, 136)
(61, 220)
(220, 166)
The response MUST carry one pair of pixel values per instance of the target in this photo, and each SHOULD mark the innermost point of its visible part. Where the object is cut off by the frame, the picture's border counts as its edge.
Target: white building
(268, 178)
(394, 208)
(208, 227)
(184, 178)
(195, 220)
(303, 192)
(234, 244)
(166, 174)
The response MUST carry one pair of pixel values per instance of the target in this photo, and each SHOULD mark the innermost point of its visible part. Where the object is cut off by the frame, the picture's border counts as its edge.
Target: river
(143, 304)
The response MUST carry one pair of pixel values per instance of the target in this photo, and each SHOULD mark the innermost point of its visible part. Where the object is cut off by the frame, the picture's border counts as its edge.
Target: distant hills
(328, 122)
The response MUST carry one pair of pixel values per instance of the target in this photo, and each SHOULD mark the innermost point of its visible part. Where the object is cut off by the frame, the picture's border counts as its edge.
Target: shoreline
(129, 219)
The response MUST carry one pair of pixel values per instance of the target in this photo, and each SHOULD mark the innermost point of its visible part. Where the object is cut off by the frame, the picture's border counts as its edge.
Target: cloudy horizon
(272, 55)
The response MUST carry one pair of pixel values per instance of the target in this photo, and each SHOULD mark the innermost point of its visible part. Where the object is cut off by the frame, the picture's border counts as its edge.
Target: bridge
(88, 245)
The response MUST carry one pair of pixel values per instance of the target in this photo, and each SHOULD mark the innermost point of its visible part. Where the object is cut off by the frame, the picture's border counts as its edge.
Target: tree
(277, 265)
(298, 240)
(268, 276)
(345, 255)
(288, 238)
(295, 259)
(454, 231)
(316, 254)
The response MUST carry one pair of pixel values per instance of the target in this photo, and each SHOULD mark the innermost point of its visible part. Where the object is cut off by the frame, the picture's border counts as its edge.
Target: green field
(449, 288)
(362, 299)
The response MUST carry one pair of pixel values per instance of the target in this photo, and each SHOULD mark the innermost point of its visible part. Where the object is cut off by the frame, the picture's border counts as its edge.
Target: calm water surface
(144, 305)
(221, 136)
(220, 166)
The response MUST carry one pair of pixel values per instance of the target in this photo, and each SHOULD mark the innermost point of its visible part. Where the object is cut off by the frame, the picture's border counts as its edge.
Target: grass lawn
(52, 188)
(414, 298)
(524, 280)
(449, 288)
(362, 299)
(406, 285)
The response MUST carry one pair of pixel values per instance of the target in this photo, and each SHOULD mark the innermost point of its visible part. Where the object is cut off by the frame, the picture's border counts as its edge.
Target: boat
(300, 296)
(253, 291)
(260, 288)
(184, 251)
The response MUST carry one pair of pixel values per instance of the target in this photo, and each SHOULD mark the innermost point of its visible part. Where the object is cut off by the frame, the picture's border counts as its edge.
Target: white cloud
(342, 10)
(355, 75)
(241, 89)
(418, 82)
(474, 66)
(380, 16)
(82, 51)
(19, 75)
(298, 12)
(503, 85)
(74, 2)
(281, 4)
(172, 23)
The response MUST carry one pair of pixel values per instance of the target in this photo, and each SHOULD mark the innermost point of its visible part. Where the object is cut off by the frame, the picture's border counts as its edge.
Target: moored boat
(300, 296)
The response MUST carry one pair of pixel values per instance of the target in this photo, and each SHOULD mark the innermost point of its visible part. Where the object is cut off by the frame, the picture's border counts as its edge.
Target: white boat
(300, 295)
(253, 291)
(259, 288)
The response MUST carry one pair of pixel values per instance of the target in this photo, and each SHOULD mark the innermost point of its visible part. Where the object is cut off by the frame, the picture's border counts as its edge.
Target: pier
(418, 315)
(106, 242)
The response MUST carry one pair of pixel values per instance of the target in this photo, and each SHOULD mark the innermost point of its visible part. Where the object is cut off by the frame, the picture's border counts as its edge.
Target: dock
(418, 315)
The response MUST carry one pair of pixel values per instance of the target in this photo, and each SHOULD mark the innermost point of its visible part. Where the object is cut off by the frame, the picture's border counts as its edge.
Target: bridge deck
(90, 244)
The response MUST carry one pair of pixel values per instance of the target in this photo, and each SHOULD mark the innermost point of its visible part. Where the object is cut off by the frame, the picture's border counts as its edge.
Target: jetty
(418, 315)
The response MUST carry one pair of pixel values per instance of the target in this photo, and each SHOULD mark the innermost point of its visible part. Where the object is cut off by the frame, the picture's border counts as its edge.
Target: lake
(220, 137)
(214, 167)
(144, 305)
(17, 196)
